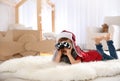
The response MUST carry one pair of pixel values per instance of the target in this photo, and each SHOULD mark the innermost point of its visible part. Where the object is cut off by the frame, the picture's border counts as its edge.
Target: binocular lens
(62, 45)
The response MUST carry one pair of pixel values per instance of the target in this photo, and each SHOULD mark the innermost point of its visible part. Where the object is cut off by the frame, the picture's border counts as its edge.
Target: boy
(67, 51)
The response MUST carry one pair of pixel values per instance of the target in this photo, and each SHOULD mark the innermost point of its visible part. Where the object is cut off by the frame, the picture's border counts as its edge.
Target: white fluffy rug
(41, 68)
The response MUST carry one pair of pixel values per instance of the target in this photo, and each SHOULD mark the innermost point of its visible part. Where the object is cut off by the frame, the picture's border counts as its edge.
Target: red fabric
(91, 55)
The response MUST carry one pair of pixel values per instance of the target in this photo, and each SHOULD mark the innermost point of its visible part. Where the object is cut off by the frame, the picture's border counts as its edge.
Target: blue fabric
(111, 48)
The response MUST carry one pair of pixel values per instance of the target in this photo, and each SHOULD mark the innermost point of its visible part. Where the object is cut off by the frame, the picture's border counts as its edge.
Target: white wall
(7, 16)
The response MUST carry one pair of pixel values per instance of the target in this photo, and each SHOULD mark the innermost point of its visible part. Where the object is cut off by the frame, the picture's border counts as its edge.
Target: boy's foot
(98, 39)
(107, 37)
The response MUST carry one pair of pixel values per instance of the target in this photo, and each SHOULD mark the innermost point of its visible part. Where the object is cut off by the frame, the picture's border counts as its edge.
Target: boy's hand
(59, 52)
(68, 51)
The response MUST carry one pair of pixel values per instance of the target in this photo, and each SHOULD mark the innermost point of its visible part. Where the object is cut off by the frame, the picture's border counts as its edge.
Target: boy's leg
(112, 50)
(104, 55)
(111, 47)
(99, 48)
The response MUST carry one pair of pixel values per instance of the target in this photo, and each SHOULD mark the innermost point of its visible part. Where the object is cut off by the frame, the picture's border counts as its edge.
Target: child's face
(64, 50)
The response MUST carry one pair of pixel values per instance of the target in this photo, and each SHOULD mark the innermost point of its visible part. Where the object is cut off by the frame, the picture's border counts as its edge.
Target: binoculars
(62, 45)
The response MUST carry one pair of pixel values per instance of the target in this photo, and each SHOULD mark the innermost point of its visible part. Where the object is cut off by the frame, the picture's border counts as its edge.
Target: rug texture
(42, 68)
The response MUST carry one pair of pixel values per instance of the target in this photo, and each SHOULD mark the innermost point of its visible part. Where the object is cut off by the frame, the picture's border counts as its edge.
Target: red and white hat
(69, 35)
(66, 34)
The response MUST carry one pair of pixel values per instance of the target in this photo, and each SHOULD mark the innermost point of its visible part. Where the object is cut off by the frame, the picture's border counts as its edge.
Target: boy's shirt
(91, 55)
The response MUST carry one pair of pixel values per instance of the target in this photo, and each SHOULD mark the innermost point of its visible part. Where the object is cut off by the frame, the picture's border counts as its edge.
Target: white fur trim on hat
(64, 34)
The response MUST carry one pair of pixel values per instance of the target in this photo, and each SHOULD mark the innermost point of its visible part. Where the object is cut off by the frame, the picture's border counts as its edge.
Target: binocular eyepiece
(62, 45)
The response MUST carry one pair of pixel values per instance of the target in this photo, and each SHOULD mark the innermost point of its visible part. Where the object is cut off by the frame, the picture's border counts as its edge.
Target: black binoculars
(62, 45)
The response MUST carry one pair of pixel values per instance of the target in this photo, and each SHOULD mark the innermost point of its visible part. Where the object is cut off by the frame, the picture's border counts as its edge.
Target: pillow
(114, 28)
(18, 27)
(23, 28)
(49, 36)
(115, 34)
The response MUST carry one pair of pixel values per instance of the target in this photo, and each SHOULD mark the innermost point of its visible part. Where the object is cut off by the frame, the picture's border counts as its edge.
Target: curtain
(77, 15)
(7, 16)
(28, 14)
